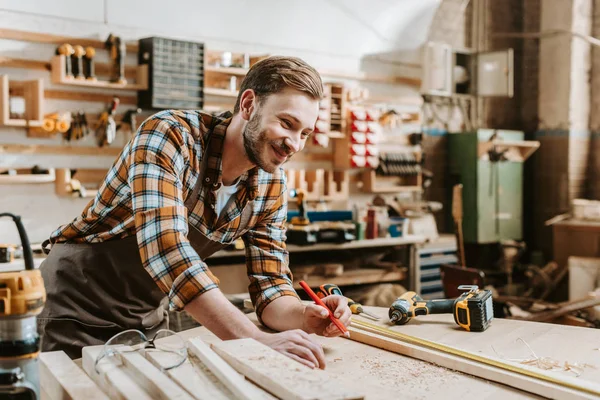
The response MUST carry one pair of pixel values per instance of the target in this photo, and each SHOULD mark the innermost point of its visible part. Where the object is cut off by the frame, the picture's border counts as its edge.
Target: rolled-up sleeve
(267, 258)
(158, 159)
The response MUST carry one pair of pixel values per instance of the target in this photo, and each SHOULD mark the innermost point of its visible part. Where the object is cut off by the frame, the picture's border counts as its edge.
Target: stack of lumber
(238, 369)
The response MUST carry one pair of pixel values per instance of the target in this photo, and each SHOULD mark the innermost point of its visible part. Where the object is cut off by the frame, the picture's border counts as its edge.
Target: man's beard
(255, 144)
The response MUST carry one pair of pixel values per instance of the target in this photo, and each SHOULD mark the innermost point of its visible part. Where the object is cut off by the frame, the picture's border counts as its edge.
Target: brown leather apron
(96, 290)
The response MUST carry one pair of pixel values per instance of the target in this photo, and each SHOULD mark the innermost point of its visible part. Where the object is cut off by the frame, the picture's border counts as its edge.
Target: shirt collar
(212, 177)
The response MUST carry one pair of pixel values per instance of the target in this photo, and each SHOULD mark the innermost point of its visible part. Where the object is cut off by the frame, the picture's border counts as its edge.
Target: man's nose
(294, 144)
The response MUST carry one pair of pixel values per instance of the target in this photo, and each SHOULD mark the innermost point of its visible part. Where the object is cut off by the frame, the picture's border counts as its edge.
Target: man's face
(279, 127)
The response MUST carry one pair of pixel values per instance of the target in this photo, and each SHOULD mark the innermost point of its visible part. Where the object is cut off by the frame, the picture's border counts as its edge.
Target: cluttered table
(566, 358)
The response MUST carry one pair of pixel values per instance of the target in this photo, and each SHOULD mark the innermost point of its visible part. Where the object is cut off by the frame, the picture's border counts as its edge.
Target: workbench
(385, 375)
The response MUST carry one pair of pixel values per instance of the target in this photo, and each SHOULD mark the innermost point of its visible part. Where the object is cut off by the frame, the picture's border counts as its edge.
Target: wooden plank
(242, 389)
(351, 277)
(280, 375)
(48, 149)
(61, 378)
(563, 310)
(157, 384)
(85, 96)
(24, 63)
(27, 36)
(195, 378)
(513, 379)
(111, 376)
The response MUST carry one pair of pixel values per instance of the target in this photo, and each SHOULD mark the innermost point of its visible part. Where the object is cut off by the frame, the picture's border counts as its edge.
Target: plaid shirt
(144, 195)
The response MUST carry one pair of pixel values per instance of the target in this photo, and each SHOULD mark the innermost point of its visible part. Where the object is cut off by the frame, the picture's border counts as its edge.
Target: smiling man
(188, 184)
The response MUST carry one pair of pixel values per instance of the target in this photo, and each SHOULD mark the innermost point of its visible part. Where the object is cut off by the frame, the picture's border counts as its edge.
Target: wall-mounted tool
(472, 310)
(22, 298)
(130, 118)
(77, 61)
(116, 48)
(89, 69)
(67, 51)
(106, 129)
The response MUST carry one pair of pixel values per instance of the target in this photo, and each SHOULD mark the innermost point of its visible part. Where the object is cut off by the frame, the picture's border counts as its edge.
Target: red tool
(317, 300)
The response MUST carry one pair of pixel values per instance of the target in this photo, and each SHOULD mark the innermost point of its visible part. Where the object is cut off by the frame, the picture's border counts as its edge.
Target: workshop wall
(331, 35)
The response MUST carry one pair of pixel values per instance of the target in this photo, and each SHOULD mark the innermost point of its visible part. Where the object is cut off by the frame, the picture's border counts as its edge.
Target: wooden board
(194, 377)
(111, 376)
(516, 380)
(27, 36)
(146, 375)
(281, 375)
(235, 382)
(505, 341)
(63, 379)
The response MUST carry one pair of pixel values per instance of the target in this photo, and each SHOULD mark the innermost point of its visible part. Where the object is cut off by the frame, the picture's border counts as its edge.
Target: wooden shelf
(58, 66)
(33, 93)
(220, 92)
(372, 183)
(227, 70)
(70, 150)
(335, 135)
(27, 177)
(352, 277)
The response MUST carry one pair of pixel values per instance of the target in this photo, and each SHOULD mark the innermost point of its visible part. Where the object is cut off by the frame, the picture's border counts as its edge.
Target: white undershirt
(224, 193)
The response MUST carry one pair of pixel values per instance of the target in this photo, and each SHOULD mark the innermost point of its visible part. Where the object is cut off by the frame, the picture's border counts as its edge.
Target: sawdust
(550, 364)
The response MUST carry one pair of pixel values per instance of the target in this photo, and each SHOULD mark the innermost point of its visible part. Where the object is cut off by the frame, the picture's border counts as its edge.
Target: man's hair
(275, 73)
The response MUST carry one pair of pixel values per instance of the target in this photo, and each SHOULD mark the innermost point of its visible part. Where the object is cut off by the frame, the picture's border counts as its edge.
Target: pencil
(317, 300)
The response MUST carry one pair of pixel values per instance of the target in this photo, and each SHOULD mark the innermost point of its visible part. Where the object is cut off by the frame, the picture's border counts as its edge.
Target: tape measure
(468, 355)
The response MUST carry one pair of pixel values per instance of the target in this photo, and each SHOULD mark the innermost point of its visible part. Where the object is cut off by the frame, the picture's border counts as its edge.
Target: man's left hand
(316, 318)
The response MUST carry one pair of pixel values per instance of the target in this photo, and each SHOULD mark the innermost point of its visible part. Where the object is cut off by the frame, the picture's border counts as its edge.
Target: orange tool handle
(317, 300)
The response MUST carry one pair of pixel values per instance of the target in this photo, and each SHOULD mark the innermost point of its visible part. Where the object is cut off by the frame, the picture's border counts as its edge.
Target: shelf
(335, 135)
(372, 183)
(33, 93)
(70, 150)
(58, 66)
(353, 277)
(220, 92)
(28, 178)
(227, 70)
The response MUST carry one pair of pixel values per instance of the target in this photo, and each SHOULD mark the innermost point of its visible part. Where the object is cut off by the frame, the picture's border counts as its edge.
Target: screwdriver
(356, 308)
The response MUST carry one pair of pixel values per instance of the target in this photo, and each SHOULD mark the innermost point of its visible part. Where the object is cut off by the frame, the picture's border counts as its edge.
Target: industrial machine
(22, 298)
(473, 310)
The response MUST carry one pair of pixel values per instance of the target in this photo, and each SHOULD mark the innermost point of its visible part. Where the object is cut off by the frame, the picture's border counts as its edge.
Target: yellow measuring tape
(471, 356)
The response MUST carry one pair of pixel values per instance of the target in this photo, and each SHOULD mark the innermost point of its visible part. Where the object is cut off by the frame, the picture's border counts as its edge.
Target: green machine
(489, 164)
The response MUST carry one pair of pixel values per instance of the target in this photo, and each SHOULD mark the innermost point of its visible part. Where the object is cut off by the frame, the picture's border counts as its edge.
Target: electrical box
(448, 71)
(175, 74)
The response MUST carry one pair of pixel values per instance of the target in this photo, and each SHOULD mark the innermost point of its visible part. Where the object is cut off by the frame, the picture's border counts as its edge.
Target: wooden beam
(242, 389)
(280, 375)
(100, 68)
(568, 388)
(146, 375)
(61, 378)
(69, 150)
(192, 376)
(47, 38)
(85, 96)
(111, 376)
(563, 310)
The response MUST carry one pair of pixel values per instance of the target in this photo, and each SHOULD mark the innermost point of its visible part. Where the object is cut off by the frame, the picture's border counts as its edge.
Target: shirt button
(217, 186)
(207, 180)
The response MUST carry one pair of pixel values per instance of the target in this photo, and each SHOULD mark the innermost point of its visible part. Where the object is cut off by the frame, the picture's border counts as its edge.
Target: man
(186, 185)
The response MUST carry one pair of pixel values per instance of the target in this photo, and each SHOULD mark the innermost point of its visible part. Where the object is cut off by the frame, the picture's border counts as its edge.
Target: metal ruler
(468, 355)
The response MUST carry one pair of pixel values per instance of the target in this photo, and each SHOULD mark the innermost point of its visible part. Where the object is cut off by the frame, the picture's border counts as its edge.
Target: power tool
(472, 310)
(300, 231)
(22, 298)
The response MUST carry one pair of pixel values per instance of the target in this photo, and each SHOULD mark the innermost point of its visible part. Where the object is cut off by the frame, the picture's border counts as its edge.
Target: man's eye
(286, 123)
(305, 134)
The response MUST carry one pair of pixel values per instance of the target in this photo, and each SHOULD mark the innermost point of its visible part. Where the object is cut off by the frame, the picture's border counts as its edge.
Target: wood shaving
(550, 364)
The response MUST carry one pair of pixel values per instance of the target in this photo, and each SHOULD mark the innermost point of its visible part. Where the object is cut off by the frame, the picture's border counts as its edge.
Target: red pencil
(317, 300)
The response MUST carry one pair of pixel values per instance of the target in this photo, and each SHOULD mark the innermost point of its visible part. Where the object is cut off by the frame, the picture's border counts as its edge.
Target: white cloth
(224, 193)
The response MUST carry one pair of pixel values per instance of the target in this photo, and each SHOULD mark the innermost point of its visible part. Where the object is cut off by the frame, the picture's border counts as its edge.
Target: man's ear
(248, 103)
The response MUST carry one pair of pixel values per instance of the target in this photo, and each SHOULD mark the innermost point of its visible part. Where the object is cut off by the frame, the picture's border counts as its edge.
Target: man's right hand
(297, 345)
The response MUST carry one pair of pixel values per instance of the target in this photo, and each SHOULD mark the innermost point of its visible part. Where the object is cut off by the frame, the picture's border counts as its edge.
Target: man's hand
(316, 318)
(297, 345)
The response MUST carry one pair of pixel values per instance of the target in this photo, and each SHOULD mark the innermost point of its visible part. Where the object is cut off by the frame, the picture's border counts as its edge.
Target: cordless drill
(473, 310)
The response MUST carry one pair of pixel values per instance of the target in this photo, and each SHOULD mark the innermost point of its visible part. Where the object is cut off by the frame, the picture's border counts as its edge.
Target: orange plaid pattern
(144, 194)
